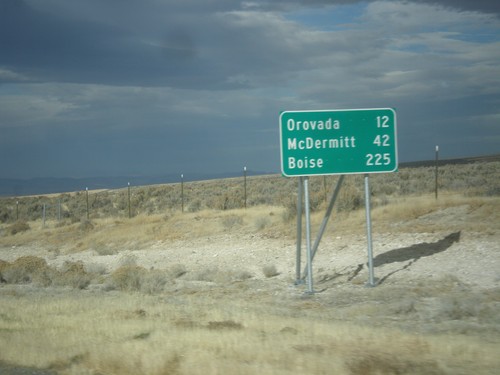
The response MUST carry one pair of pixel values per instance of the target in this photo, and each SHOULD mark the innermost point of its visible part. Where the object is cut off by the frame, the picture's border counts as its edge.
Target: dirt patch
(7, 369)
(434, 280)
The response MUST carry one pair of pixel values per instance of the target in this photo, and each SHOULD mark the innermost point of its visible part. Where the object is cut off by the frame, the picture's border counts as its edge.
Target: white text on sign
(338, 141)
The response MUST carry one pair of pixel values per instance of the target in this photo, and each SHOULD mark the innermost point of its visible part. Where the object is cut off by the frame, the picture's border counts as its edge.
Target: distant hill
(51, 185)
(429, 163)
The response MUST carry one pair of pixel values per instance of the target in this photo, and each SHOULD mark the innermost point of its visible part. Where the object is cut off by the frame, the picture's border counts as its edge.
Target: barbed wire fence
(241, 192)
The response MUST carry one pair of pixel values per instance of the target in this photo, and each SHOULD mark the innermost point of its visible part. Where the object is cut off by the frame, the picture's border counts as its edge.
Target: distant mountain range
(50, 185)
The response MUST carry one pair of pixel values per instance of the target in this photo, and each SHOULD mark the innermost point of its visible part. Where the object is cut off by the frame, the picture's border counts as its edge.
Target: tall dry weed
(73, 274)
(28, 269)
(18, 227)
(270, 270)
(472, 179)
(128, 278)
(133, 278)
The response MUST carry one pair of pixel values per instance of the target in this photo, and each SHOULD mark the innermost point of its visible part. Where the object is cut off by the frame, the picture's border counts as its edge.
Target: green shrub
(472, 179)
(350, 199)
(290, 211)
(262, 222)
(215, 275)
(232, 221)
(3, 265)
(86, 225)
(18, 227)
(73, 274)
(28, 269)
(153, 281)
(270, 270)
(128, 278)
(177, 270)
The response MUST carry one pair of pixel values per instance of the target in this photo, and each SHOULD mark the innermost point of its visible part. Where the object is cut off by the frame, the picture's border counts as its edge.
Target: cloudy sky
(152, 87)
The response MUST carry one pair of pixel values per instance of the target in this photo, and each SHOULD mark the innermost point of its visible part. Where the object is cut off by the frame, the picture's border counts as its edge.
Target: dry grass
(136, 334)
(270, 270)
(472, 179)
(89, 319)
(26, 270)
(18, 227)
(35, 270)
(132, 278)
(108, 236)
(481, 214)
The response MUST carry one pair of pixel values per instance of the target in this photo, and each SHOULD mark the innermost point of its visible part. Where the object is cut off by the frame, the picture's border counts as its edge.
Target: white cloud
(405, 55)
(32, 110)
(165, 76)
(7, 75)
(413, 16)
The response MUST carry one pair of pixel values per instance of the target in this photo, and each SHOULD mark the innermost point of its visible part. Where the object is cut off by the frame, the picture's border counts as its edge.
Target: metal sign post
(310, 288)
(182, 193)
(245, 187)
(87, 200)
(436, 172)
(327, 216)
(298, 279)
(371, 277)
(338, 142)
(44, 215)
(128, 195)
(335, 142)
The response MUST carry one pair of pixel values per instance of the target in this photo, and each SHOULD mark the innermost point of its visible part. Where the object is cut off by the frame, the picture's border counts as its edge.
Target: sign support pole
(87, 199)
(327, 216)
(58, 210)
(371, 278)
(298, 279)
(436, 172)
(310, 289)
(128, 197)
(182, 193)
(338, 142)
(335, 142)
(245, 186)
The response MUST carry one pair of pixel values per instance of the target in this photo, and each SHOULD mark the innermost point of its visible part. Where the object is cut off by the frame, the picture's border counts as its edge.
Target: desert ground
(213, 292)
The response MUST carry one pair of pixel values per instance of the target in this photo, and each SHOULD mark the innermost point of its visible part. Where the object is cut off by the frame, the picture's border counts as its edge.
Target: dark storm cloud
(147, 87)
(42, 44)
(487, 6)
(180, 44)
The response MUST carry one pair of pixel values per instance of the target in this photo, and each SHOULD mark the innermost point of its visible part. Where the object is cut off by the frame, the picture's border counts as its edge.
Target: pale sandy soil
(429, 281)
(407, 254)
(473, 258)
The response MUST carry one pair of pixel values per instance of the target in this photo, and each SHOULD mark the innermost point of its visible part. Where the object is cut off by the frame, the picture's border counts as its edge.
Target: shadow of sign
(413, 253)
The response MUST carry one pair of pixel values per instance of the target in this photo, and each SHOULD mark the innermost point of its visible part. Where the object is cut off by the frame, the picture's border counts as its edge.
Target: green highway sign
(338, 142)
